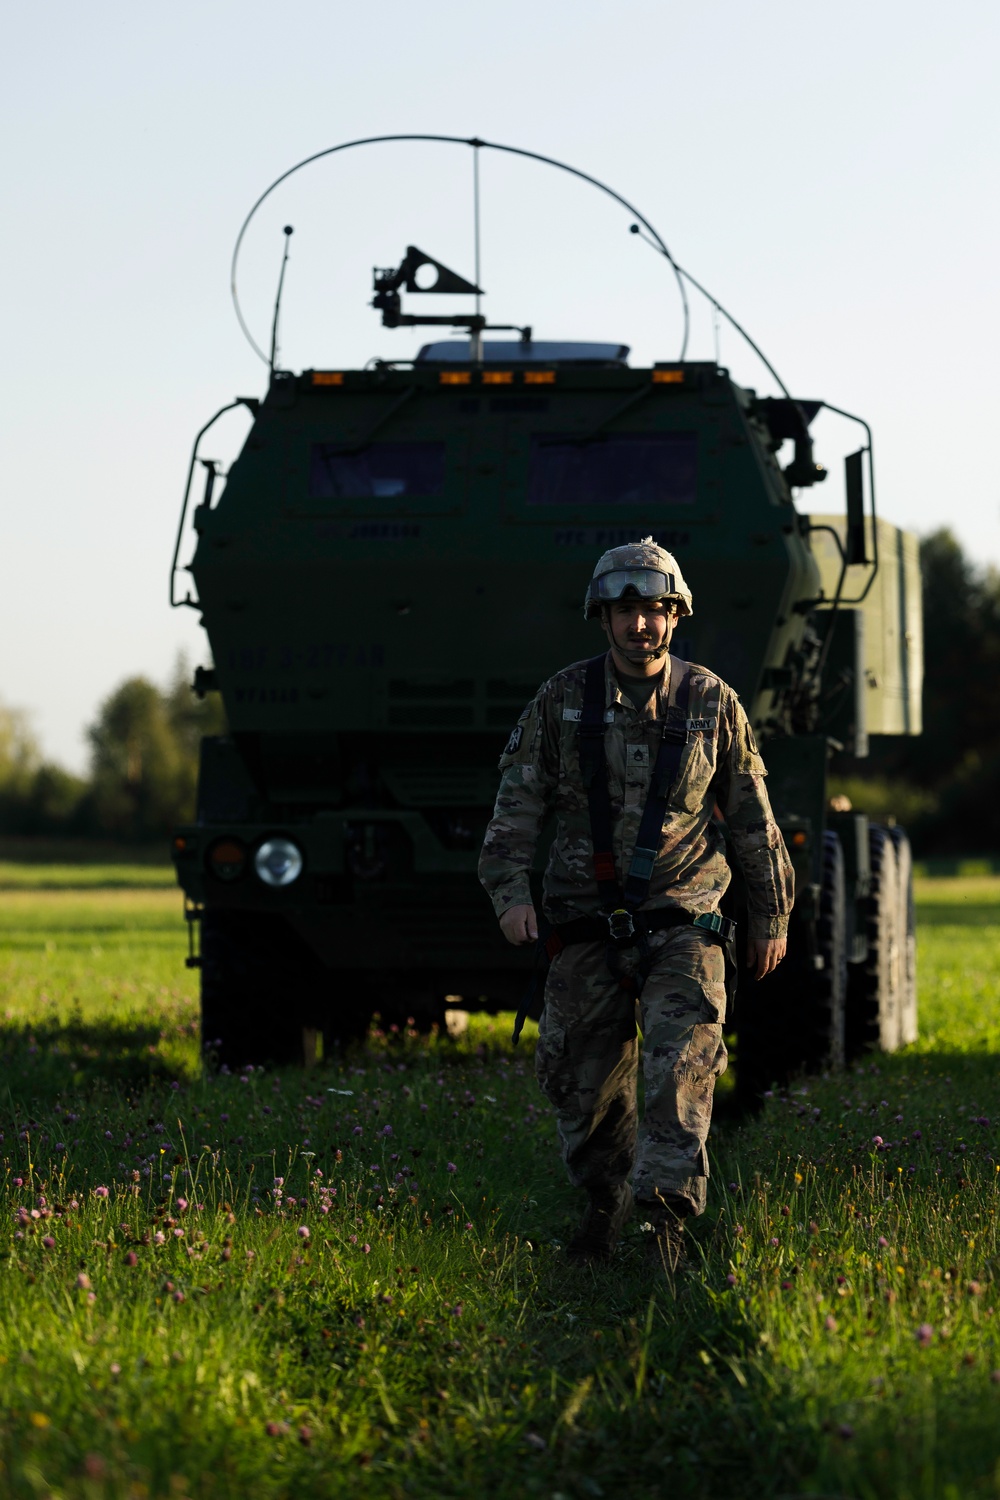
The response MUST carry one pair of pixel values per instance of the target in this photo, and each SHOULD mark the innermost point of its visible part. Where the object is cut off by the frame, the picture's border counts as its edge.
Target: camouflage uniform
(587, 1052)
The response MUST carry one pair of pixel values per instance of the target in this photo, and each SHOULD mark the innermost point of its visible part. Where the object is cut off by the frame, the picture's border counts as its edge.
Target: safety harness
(620, 923)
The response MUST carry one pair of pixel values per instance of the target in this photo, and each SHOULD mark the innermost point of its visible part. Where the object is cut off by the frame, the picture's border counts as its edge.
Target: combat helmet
(643, 568)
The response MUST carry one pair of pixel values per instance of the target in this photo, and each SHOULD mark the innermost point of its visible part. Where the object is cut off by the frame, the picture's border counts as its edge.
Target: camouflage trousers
(588, 1057)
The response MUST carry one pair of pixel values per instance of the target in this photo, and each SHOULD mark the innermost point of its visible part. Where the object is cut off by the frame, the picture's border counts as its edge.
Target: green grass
(836, 1334)
(100, 875)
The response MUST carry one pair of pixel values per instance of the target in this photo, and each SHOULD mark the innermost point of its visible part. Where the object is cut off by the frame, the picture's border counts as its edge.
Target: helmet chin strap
(639, 656)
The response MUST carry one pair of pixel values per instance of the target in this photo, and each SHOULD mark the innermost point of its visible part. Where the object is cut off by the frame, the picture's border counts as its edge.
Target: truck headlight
(278, 862)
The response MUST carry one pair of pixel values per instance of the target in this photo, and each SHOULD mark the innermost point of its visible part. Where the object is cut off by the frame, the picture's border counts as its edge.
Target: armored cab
(397, 559)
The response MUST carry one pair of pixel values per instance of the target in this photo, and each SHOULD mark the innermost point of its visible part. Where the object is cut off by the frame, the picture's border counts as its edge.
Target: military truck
(394, 562)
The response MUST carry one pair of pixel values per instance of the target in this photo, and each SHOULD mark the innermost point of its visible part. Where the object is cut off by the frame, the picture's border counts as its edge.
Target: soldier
(635, 752)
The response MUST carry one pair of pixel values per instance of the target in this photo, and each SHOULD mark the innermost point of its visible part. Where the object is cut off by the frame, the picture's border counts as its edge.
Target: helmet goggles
(648, 583)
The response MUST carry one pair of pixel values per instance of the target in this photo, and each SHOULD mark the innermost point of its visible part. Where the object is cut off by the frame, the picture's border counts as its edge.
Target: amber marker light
(498, 377)
(180, 844)
(539, 377)
(668, 377)
(455, 377)
(799, 839)
(227, 858)
(328, 377)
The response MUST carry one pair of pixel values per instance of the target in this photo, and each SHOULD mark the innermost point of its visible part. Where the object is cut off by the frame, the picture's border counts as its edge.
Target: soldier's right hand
(519, 925)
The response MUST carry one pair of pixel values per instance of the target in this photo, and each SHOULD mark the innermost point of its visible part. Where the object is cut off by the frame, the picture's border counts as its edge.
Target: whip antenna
(289, 231)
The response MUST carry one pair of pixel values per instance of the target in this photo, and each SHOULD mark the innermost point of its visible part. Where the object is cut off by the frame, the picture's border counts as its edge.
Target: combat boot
(662, 1222)
(604, 1218)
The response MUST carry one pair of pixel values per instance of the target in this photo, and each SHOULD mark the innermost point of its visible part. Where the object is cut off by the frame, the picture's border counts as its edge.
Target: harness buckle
(621, 927)
(714, 921)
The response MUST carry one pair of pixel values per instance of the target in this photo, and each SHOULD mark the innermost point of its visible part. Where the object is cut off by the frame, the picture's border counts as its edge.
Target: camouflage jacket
(720, 765)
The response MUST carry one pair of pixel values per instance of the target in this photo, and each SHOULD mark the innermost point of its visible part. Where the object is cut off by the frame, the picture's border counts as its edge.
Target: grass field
(351, 1281)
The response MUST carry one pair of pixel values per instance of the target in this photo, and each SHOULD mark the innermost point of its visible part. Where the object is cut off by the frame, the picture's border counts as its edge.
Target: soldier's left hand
(765, 954)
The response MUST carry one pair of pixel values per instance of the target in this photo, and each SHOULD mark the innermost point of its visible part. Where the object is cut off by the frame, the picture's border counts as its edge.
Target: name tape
(574, 715)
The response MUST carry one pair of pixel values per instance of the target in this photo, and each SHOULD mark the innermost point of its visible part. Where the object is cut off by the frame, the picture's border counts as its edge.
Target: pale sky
(828, 171)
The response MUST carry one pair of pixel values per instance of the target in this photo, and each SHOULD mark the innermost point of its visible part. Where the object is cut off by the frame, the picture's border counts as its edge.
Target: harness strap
(673, 738)
(594, 768)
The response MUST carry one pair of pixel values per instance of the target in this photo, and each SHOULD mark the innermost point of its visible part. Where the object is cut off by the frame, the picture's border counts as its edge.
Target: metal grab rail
(838, 601)
(839, 411)
(251, 403)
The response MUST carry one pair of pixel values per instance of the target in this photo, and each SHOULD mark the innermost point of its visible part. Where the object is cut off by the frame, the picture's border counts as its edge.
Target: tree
(961, 661)
(144, 749)
(957, 757)
(145, 745)
(137, 769)
(19, 752)
(190, 719)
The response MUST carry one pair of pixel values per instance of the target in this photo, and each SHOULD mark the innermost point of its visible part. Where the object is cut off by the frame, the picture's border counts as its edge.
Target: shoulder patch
(514, 743)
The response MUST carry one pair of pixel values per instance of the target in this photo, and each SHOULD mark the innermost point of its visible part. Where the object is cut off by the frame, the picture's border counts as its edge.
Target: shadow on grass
(41, 1062)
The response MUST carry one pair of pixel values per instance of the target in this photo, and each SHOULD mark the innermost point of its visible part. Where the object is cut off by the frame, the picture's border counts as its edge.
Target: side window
(642, 468)
(378, 471)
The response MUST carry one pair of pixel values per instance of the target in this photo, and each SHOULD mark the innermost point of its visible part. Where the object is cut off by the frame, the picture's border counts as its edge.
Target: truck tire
(908, 1026)
(346, 1015)
(793, 1021)
(249, 1012)
(262, 987)
(829, 1008)
(873, 995)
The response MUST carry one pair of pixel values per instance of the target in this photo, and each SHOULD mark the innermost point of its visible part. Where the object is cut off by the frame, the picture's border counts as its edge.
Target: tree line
(940, 785)
(143, 766)
(948, 775)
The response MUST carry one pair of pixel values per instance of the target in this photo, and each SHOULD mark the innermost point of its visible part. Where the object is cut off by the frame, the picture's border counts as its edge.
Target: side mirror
(856, 550)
